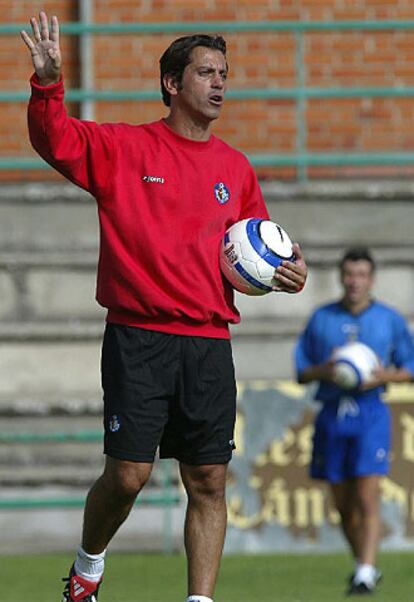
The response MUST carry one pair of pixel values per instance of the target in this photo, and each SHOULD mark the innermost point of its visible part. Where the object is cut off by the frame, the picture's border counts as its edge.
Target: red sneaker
(78, 589)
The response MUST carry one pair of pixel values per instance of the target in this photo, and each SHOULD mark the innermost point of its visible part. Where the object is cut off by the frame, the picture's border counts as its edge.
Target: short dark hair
(178, 55)
(357, 254)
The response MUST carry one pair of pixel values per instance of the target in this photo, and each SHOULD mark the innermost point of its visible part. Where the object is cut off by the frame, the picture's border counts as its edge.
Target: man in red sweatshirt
(167, 368)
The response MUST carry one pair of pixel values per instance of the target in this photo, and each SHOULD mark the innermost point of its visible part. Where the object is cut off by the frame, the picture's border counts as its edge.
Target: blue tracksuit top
(379, 326)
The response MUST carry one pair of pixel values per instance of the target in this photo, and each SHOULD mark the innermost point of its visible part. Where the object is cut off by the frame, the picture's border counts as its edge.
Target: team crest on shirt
(114, 423)
(222, 193)
(350, 331)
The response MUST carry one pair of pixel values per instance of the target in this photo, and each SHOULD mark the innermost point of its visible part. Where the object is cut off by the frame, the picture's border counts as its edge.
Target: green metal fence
(166, 498)
(302, 158)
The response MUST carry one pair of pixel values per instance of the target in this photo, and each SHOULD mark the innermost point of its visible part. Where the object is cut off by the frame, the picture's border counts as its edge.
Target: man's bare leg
(110, 501)
(358, 502)
(367, 494)
(344, 499)
(205, 524)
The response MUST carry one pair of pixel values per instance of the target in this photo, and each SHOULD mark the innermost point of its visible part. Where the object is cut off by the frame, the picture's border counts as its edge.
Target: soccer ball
(354, 364)
(251, 250)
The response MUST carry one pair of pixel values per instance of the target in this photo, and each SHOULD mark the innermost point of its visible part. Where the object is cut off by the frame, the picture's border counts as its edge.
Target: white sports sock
(366, 573)
(89, 566)
(195, 598)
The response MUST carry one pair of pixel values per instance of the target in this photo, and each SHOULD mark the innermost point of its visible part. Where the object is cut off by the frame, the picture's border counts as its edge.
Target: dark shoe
(78, 589)
(361, 589)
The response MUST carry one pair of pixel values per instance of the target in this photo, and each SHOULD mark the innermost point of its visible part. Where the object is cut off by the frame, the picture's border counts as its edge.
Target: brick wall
(256, 60)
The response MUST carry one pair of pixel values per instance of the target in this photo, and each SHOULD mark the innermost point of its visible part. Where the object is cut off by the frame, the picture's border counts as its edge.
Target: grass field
(153, 578)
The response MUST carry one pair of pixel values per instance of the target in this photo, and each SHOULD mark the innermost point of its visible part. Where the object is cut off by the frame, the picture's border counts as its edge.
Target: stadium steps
(35, 450)
(51, 329)
(51, 326)
(44, 482)
(40, 450)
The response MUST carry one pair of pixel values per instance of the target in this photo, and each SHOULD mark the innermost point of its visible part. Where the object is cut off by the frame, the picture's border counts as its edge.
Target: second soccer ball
(354, 365)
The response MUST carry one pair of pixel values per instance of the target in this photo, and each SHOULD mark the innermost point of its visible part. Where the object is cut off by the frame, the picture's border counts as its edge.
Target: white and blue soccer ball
(251, 250)
(354, 365)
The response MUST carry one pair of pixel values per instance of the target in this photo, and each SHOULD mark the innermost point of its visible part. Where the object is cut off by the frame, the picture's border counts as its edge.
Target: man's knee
(207, 481)
(125, 479)
(368, 505)
(350, 517)
(368, 495)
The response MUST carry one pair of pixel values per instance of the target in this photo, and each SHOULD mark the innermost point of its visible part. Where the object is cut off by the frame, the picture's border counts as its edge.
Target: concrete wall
(51, 329)
(50, 324)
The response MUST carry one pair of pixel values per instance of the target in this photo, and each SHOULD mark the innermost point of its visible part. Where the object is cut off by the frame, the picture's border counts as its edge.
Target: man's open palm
(44, 48)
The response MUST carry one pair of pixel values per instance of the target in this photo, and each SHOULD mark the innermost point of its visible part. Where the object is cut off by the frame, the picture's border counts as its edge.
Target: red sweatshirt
(164, 203)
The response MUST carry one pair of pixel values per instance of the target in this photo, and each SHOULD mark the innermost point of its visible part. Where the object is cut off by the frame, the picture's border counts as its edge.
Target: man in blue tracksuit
(352, 431)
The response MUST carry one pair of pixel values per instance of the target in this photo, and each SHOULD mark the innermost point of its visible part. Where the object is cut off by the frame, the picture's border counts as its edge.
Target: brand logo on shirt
(153, 179)
(222, 193)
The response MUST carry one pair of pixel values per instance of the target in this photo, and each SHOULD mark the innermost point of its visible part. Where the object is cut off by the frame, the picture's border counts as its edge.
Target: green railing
(168, 497)
(302, 158)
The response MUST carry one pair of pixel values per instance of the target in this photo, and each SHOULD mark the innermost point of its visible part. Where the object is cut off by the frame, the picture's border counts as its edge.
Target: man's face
(357, 279)
(202, 89)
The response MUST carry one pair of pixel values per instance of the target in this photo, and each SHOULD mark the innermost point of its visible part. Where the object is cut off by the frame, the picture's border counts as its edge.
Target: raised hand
(44, 49)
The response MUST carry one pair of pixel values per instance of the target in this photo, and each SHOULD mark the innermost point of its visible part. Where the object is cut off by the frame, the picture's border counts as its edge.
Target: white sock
(89, 566)
(194, 598)
(366, 573)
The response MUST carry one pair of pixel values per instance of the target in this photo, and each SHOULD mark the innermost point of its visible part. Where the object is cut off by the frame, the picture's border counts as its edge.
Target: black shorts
(174, 392)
